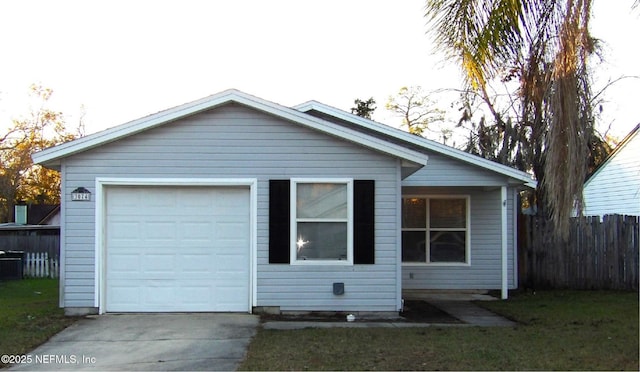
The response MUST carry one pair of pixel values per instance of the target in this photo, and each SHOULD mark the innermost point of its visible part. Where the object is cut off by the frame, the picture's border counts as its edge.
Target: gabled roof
(626, 140)
(416, 142)
(412, 160)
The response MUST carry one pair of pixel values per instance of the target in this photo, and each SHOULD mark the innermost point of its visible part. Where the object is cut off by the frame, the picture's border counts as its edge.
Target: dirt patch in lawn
(415, 311)
(311, 316)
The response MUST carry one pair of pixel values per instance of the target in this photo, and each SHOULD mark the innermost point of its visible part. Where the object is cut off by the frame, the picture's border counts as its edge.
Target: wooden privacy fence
(40, 265)
(41, 245)
(599, 254)
(30, 238)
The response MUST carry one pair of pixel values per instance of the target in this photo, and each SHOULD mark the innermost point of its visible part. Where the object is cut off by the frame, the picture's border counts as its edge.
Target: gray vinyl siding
(484, 271)
(234, 141)
(446, 171)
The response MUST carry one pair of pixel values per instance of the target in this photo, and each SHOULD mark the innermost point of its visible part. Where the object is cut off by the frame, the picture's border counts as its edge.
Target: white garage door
(177, 249)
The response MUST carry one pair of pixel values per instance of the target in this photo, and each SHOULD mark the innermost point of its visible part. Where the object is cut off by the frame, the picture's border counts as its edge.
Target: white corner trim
(63, 241)
(100, 207)
(504, 293)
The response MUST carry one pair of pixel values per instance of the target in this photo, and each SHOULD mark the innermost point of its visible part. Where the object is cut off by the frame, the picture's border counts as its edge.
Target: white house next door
(177, 248)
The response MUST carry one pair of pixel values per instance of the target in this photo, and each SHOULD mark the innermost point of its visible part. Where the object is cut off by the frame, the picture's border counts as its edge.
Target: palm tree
(547, 44)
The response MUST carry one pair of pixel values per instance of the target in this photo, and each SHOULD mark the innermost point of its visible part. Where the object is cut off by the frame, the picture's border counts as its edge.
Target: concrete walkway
(156, 342)
(471, 314)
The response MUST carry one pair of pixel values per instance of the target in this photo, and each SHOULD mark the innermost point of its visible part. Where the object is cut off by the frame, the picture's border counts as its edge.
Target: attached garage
(176, 248)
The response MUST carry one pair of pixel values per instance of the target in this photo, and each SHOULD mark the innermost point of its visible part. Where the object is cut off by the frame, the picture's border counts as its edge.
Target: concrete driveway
(159, 342)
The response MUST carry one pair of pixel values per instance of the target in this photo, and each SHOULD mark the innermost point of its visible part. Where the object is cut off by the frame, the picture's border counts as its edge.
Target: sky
(121, 60)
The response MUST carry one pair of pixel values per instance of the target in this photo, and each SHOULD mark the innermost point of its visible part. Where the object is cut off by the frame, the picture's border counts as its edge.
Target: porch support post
(399, 300)
(503, 243)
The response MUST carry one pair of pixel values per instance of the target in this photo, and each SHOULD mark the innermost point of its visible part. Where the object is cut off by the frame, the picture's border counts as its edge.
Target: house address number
(80, 197)
(80, 194)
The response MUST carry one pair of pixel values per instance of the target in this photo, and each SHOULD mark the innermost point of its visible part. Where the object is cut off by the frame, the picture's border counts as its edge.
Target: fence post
(25, 265)
(45, 261)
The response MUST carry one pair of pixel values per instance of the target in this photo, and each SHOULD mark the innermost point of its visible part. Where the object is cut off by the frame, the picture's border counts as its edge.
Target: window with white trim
(322, 221)
(435, 229)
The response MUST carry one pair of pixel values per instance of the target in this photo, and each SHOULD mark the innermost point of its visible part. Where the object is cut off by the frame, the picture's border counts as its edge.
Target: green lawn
(29, 314)
(558, 330)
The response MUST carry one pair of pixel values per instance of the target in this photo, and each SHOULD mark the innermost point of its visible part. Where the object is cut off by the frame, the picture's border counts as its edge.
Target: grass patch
(559, 330)
(29, 314)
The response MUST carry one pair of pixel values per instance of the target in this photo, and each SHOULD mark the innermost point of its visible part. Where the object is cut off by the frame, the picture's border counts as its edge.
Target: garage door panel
(161, 231)
(196, 231)
(159, 198)
(188, 250)
(124, 229)
(125, 263)
(224, 298)
(192, 201)
(227, 230)
(198, 264)
(160, 264)
(157, 293)
(122, 293)
(195, 295)
(125, 200)
(231, 265)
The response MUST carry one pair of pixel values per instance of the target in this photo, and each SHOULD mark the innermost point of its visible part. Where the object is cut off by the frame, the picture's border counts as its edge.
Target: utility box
(11, 264)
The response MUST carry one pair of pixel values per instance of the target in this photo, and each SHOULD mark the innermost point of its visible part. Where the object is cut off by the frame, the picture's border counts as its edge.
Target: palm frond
(571, 124)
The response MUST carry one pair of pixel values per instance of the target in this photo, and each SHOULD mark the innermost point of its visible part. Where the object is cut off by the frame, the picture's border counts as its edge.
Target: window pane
(321, 200)
(322, 241)
(449, 213)
(447, 246)
(413, 246)
(414, 212)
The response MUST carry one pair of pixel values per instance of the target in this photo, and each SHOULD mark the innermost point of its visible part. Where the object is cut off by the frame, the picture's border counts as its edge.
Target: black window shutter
(364, 221)
(279, 226)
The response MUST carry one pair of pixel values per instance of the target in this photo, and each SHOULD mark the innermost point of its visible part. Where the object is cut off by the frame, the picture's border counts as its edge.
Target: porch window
(435, 229)
(322, 221)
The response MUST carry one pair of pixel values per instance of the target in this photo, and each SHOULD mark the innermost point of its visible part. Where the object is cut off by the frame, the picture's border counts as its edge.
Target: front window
(435, 230)
(321, 226)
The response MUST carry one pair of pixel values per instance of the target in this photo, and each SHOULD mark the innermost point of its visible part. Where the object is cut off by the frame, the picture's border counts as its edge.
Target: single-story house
(614, 187)
(235, 203)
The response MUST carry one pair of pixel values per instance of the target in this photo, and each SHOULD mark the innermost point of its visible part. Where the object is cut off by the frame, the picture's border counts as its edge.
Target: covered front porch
(459, 239)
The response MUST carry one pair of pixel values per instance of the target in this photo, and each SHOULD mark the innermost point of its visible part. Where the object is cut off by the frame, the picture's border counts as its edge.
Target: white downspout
(503, 243)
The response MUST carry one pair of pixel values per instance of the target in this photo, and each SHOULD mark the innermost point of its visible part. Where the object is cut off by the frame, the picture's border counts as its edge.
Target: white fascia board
(52, 155)
(419, 141)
